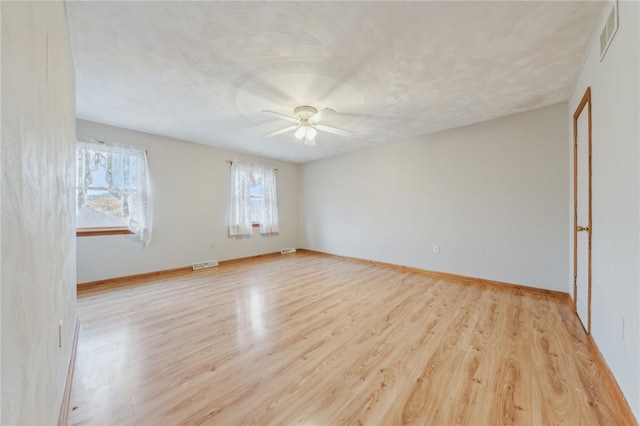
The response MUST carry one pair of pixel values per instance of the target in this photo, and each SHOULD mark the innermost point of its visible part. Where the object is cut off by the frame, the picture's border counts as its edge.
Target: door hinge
(575, 281)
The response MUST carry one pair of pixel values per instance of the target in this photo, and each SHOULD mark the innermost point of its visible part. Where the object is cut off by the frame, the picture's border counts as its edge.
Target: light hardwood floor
(317, 340)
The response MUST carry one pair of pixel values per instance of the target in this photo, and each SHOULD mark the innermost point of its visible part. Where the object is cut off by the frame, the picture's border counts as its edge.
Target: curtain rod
(230, 162)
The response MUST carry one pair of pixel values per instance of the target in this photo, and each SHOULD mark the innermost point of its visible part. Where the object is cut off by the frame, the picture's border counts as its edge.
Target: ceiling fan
(307, 120)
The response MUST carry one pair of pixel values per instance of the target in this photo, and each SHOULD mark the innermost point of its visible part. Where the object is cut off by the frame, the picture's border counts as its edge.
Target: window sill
(95, 232)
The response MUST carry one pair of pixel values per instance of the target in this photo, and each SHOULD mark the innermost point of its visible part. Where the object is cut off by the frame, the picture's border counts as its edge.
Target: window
(253, 199)
(111, 190)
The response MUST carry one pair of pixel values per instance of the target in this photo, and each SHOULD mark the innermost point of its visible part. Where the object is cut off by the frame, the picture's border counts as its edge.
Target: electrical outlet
(436, 249)
(212, 244)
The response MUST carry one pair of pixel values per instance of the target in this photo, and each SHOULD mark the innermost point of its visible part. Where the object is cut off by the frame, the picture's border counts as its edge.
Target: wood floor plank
(311, 339)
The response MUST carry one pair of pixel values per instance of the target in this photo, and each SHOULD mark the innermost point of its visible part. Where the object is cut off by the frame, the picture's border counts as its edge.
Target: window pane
(256, 190)
(105, 198)
(255, 209)
(91, 218)
(110, 188)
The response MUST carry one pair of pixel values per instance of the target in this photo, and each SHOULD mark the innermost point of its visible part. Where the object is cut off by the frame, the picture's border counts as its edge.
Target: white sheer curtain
(240, 200)
(269, 203)
(245, 180)
(120, 172)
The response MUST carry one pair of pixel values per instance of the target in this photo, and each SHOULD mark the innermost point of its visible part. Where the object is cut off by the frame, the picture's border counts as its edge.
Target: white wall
(190, 185)
(38, 235)
(616, 199)
(493, 196)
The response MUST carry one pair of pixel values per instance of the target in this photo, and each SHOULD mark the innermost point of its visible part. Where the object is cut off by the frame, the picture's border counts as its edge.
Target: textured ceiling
(204, 71)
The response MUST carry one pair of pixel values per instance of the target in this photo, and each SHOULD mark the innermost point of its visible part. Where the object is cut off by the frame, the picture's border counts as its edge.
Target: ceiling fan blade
(284, 117)
(321, 115)
(334, 130)
(281, 131)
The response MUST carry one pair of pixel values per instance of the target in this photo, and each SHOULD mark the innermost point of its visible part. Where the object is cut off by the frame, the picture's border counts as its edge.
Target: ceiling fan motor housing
(305, 112)
(307, 123)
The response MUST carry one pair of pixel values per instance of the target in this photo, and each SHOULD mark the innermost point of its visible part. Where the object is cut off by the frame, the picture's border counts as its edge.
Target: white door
(582, 218)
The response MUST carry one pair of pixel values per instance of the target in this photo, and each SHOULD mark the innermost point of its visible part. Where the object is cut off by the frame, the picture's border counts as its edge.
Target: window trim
(96, 232)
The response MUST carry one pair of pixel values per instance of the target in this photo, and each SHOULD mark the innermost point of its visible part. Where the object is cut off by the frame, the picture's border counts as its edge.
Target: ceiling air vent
(609, 29)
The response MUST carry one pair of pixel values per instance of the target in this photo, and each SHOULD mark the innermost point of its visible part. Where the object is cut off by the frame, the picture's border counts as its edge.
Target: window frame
(93, 231)
(244, 182)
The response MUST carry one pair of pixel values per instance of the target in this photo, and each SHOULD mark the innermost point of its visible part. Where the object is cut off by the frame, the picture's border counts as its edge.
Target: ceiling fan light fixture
(308, 125)
(311, 133)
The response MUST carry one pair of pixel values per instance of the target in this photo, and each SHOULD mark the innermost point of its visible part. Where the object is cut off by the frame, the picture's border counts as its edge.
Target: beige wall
(190, 184)
(493, 196)
(38, 245)
(615, 297)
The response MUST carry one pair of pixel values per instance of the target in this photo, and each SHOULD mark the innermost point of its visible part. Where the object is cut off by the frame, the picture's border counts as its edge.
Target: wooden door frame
(586, 101)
